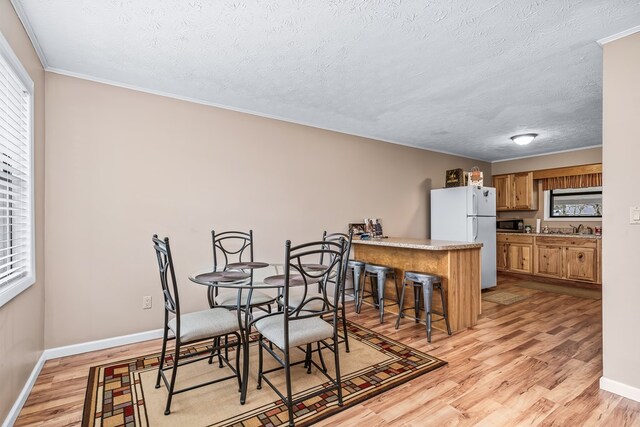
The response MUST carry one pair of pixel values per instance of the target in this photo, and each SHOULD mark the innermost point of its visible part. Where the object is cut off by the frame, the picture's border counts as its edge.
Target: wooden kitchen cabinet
(581, 264)
(514, 253)
(502, 184)
(549, 261)
(567, 258)
(515, 191)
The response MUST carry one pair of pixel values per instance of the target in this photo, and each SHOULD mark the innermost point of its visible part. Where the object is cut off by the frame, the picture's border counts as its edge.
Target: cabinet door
(549, 261)
(520, 259)
(581, 264)
(523, 191)
(501, 256)
(503, 185)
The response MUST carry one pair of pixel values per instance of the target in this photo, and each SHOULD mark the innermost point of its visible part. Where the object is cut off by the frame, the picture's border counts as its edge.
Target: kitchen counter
(424, 244)
(579, 236)
(458, 263)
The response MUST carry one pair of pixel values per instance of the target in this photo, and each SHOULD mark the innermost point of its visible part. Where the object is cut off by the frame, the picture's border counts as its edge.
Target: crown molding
(17, 6)
(619, 35)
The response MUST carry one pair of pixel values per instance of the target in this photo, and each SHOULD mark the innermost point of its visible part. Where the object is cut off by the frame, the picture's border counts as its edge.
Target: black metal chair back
(301, 272)
(167, 277)
(334, 237)
(230, 247)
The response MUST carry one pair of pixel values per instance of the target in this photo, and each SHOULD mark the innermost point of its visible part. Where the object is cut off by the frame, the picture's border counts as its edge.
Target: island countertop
(457, 263)
(424, 244)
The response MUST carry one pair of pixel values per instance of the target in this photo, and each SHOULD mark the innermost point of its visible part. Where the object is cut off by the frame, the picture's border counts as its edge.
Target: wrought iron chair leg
(344, 327)
(238, 345)
(260, 360)
(324, 367)
(307, 359)
(336, 356)
(162, 355)
(219, 340)
(176, 359)
(287, 373)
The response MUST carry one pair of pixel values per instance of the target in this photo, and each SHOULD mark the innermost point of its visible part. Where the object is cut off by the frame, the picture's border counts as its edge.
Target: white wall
(621, 241)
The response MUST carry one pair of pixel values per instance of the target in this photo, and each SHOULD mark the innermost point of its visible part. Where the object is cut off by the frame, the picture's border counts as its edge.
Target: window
(574, 203)
(17, 258)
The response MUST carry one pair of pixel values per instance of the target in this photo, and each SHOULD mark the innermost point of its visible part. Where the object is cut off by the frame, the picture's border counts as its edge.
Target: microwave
(515, 225)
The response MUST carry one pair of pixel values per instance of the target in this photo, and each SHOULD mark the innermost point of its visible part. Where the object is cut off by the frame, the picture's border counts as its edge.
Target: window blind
(15, 177)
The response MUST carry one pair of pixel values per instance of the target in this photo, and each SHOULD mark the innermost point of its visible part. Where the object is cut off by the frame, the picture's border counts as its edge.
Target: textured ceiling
(449, 75)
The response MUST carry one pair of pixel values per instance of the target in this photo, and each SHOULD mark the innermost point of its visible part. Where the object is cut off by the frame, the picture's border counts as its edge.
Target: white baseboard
(12, 416)
(69, 350)
(619, 388)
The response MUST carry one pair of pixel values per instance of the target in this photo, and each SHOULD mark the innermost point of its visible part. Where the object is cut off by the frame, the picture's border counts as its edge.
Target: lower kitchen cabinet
(549, 261)
(558, 257)
(514, 253)
(581, 264)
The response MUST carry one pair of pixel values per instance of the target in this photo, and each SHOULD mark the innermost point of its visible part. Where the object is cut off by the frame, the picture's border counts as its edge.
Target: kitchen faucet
(578, 229)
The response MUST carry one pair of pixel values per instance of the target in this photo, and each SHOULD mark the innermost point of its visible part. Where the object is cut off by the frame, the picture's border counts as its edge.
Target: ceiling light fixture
(524, 139)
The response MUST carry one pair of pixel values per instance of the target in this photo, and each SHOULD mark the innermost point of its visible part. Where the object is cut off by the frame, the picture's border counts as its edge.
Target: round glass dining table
(241, 281)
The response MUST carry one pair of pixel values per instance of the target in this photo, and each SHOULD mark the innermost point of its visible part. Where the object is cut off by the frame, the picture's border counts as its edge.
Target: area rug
(123, 393)
(564, 290)
(502, 297)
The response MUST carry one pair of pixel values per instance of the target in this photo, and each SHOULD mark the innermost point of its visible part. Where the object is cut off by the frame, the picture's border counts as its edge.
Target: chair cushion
(205, 324)
(230, 298)
(301, 332)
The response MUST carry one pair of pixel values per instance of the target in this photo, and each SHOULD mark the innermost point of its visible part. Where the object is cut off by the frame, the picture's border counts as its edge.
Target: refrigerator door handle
(475, 228)
(474, 203)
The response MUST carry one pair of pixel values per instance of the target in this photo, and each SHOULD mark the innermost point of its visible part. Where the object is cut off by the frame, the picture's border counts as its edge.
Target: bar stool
(357, 268)
(381, 272)
(428, 282)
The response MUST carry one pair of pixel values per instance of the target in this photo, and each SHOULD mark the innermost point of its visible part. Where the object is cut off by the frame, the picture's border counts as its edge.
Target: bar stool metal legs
(381, 273)
(427, 282)
(357, 270)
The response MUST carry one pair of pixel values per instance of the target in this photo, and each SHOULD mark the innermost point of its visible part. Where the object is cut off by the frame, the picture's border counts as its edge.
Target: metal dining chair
(297, 328)
(296, 298)
(229, 248)
(214, 325)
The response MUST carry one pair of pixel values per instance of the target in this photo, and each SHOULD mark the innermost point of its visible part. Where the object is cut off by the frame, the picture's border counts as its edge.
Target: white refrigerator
(467, 214)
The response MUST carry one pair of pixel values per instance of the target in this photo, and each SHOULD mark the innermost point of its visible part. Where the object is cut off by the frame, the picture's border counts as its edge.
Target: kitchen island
(458, 263)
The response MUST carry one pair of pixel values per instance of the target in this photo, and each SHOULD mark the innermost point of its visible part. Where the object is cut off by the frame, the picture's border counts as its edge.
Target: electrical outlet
(146, 302)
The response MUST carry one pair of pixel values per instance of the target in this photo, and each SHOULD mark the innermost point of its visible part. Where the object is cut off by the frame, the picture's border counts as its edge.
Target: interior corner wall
(621, 266)
(123, 165)
(22, 318)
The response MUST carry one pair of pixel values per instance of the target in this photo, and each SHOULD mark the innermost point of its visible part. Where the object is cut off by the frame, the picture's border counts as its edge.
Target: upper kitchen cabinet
(515, 192)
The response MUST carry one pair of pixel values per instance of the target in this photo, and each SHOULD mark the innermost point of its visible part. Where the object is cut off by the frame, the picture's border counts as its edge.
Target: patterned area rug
(123, 394)
(502, 297)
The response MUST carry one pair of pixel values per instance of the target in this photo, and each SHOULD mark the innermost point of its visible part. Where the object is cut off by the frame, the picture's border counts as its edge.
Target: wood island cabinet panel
(581, 264)
(549, 261)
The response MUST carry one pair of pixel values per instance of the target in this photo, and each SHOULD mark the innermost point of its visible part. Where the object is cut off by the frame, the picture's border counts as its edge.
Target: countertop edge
(420, 244)
(578, 236)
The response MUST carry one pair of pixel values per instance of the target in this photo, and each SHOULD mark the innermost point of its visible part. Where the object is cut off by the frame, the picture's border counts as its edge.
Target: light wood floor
(535, 362)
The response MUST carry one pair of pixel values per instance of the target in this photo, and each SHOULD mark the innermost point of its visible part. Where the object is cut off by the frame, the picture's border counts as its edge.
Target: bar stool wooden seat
(380, 272)
(357, 270)
(428, 282)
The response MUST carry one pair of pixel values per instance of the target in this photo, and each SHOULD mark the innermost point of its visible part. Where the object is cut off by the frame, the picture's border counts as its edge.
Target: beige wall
(122, 165)
(21, 320)
(548, 161)
(621, 269)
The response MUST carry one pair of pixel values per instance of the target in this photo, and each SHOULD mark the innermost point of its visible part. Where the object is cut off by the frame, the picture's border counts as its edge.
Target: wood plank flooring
(535, 362)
